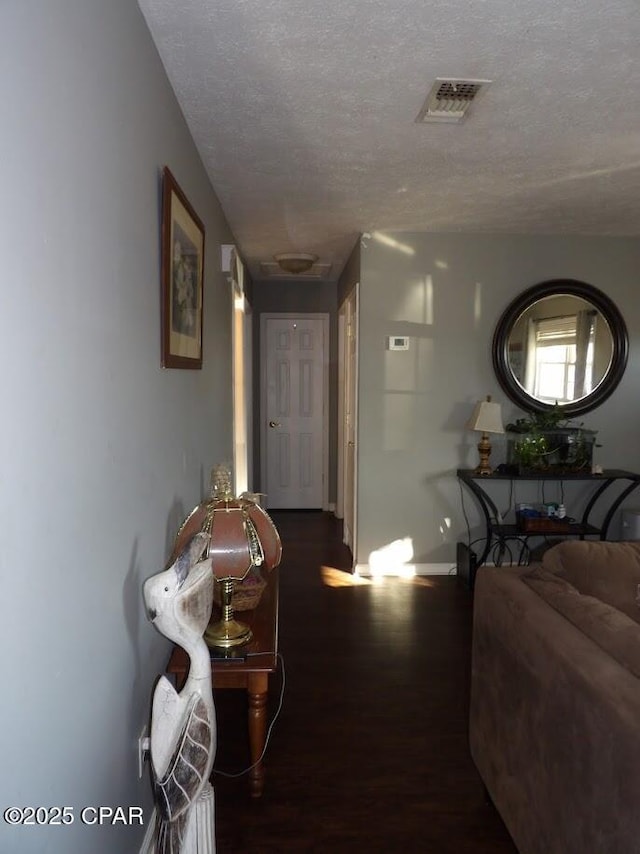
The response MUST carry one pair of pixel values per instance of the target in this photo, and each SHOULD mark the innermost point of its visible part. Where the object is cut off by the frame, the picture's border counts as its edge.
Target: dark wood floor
(370, 752)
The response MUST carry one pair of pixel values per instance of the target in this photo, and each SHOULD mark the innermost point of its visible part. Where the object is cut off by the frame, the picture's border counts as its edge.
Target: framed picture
(182, 277)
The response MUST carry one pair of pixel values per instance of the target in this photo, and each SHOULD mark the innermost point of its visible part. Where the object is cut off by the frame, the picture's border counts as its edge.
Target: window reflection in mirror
(560, 349)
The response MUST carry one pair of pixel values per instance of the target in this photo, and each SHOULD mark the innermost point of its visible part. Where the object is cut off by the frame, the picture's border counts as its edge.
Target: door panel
(294, 411)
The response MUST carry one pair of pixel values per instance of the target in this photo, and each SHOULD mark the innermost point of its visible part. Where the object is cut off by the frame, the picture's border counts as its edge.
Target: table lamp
(242, 537)
(486, 418)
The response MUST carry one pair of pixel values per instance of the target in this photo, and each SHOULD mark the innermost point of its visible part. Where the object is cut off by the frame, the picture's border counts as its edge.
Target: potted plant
(549, 442)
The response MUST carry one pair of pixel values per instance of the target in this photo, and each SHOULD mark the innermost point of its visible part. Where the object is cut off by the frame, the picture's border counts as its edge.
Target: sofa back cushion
(613, 631)
(609, 572)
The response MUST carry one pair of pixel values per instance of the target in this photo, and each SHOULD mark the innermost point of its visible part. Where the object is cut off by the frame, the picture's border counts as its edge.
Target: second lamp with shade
(486, 419)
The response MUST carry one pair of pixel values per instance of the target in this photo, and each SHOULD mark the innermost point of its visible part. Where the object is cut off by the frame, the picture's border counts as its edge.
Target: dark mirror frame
(555, 287)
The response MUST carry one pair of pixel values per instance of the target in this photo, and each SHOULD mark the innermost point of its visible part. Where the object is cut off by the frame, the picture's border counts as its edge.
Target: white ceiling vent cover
(450, 99)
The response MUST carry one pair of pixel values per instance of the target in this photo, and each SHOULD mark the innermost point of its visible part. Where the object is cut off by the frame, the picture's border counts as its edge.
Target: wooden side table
(246, 667)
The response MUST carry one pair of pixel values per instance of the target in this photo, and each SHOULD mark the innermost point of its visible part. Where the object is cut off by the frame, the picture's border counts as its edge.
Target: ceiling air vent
(450, 99)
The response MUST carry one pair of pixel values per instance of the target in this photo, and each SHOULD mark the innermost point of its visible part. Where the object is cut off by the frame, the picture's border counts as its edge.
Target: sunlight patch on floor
(393, 559)
(420, 581)
(332, 577)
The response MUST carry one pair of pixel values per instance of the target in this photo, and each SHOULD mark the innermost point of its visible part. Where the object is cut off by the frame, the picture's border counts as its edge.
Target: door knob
(274, 423)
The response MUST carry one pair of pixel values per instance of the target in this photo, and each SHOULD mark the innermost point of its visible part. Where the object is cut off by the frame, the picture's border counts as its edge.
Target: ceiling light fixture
(295, 262)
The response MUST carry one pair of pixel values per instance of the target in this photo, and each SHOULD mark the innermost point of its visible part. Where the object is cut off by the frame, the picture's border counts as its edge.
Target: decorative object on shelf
(560, 340)
(246, 593)
(183, 726)
(182, 277)
(242, 539)
(295, 263)
(552, 518)
(547, 441)
(220, 481)
(486, 418)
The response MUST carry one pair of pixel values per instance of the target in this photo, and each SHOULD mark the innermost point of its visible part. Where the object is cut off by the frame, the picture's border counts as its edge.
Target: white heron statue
(183, 725)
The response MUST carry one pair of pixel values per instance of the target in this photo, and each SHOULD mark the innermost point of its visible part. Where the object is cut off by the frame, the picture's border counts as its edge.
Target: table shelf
(574, 529)
(498, 534)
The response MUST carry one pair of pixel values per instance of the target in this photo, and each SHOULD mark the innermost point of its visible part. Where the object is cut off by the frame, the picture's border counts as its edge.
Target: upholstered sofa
(555, 698)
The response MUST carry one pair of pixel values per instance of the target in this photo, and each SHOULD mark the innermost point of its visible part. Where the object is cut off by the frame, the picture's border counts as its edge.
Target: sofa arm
(554, 724)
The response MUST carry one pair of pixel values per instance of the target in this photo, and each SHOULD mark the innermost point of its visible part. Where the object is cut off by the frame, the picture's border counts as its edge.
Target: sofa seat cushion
(608, 571)
(612, 630)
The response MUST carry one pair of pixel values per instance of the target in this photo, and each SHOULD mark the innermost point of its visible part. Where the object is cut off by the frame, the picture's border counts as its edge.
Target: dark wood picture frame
(182, 278)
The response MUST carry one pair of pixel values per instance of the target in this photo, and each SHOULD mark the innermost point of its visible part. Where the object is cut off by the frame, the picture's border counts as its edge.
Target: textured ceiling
(304, 115)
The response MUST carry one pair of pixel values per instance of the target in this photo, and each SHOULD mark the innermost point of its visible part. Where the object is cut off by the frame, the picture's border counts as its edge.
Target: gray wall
(305, 298)
(103, 451)
(447, 292)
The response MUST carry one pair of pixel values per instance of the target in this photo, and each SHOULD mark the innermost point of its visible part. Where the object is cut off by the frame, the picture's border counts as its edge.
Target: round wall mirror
(562, 342)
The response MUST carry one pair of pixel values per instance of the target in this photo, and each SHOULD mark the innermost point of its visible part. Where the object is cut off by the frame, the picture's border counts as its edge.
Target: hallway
(369, 753)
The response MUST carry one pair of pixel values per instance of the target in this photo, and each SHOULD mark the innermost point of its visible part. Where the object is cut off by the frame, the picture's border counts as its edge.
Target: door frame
(290, 315)
(349, 310)
(241, 367)
(341, 411)
(241, 340)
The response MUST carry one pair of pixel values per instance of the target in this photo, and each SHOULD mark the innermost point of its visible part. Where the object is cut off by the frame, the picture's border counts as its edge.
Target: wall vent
(450, 99)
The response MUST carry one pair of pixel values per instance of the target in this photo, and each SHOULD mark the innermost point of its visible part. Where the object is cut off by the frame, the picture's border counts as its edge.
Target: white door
(294, 411)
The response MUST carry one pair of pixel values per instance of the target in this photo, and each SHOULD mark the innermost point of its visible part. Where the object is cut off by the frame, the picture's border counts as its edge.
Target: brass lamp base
(227, 632)
(484, 449)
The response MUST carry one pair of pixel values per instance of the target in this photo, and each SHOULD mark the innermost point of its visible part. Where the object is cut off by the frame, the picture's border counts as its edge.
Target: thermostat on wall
(395, 342)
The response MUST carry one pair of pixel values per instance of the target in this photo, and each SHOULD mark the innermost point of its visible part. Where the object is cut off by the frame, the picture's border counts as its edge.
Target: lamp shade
(242, 536)
(486, 417)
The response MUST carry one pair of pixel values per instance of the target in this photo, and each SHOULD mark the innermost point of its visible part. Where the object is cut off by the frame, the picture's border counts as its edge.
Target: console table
(247, 667)
(496, 532)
